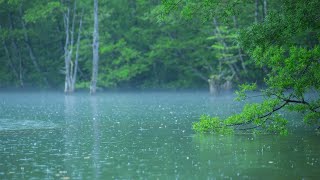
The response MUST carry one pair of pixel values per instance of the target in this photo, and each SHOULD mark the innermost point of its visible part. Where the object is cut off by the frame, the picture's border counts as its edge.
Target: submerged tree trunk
(215, 85)
(95, 47)
(70, 67)
(66, 52)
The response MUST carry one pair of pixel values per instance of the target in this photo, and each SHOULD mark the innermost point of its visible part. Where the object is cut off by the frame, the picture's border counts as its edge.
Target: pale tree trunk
(70, 80)
(70, 70)
(256, 12)
(265, 8)
(67, 56)
(95, 47)
(31, 53)
(214, 87)
(75, 69)
(20, 69)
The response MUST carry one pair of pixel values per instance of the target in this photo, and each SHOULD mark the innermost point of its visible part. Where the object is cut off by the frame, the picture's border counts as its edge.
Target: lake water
(141, 136)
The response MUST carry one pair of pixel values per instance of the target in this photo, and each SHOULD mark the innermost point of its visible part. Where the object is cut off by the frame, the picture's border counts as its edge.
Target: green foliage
(42, 11)
(243, 89)
(287, 44)
(253, 116)
(83, 85)
(312, 118)
(166, 44)
(126, 64)
(211, 125)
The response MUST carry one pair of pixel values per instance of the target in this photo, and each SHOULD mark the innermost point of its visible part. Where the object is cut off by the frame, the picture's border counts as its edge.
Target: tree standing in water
(95, 60)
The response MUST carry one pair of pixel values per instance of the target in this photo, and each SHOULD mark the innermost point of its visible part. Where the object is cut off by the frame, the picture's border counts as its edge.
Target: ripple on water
(22, 124)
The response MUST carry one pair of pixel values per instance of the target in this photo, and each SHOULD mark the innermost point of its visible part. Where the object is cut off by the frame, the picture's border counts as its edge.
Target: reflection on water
(139, 135)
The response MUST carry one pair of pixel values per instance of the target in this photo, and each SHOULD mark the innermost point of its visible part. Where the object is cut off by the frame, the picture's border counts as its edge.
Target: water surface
(141, 136)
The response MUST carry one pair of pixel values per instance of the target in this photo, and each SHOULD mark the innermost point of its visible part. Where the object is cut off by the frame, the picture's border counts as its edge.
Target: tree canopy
(140, 46)
(286, 43)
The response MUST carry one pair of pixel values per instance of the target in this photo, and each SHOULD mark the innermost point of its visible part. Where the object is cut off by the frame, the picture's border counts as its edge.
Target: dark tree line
(118, 44)
(140, 44)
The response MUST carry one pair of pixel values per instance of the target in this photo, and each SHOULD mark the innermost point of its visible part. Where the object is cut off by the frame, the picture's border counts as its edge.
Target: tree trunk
(95, 48)
(264, 8)
(256, 12)
(227, 85)
(31, 53)
(214, 86)
(75, 70)
(66, 19)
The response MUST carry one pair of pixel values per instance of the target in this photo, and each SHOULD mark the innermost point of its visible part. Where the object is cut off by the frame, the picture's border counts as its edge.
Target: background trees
(47, 43)
(142, 44)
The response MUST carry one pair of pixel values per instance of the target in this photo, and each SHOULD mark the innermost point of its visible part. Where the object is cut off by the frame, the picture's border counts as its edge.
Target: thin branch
(199, 74)
(261, 117)
(274, 110)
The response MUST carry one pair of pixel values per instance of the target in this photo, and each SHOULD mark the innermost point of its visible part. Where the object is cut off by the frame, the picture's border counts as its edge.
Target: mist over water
(141, 135)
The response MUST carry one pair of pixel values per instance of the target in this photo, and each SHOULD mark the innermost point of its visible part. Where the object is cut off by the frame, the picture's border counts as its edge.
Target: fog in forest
(116, 89)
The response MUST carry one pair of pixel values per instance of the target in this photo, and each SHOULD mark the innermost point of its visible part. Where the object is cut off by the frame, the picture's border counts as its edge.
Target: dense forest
(178, 44)
(135, 44)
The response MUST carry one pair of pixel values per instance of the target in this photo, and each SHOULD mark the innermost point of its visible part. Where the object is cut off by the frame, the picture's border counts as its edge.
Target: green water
(141, 136)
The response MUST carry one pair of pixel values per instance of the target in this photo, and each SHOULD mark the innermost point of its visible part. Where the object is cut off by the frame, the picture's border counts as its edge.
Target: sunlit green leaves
(254, 116)
(42, 11)
(243, 89)
(211, 125)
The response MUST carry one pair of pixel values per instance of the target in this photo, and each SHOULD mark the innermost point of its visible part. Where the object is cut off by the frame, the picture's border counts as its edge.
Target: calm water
(140, 136)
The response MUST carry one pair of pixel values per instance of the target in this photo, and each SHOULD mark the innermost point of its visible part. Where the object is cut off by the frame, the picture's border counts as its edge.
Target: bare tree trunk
(75, 70)
(256, 12)
(70, 89)
(20, 69)
(31, 53)
(66, 19)
(264, 8)
(68, 49)
(95, 48)
(215, 84)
